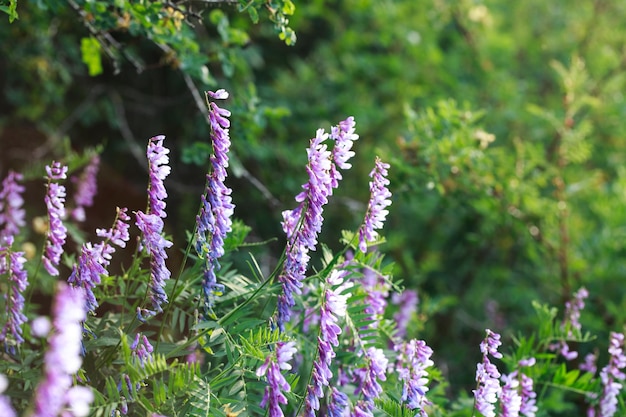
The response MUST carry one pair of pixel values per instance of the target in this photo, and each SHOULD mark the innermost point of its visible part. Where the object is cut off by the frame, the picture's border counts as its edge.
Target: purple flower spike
(376, 209)
(487, 376)
(334, 306)
(276, 382)
(367, 377)
(13, 264)
(94, 259)
(214, 220)
(142, 349)
(413, 359)
(63, 358)
(338, 403)
(86, 189)
(572, 311)
(11, 212)
(159, 170)
(151, 227)
(304, 223)
(611, 374)
(55, 202)
(407, 302)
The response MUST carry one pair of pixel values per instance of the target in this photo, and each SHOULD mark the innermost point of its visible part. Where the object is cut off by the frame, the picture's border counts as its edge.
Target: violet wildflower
(6, 409)
(94, 259)
(333, 306)
(368, 376)
(377, 288)
(159, 169)
(141, 349)
(338, 403)
(86, 189)
(573, 308)
(276, 382)
(487, 376)
(344, 137)
(407, 306)
(11, 212)
(611, 374)
(376, 209)
(214, 220)
(413, 359)
(151, 227)
(304, 223)
(529, 396)
(55, 203)
(12, 263)
(63, 358)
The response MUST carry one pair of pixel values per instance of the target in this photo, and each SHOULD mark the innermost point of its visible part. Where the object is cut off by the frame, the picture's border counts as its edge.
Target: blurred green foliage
(504, 122)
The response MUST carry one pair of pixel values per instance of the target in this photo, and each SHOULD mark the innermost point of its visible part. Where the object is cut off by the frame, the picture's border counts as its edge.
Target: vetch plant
(325, 333)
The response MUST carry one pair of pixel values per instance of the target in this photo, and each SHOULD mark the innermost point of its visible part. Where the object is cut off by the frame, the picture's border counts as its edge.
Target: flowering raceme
(151, 224)
(304, 223)
(611, 374)
(413, 359)
(55, 203)
(214, 220)
(63, 358)
(377, 207)
(12, 263)
(487, 376)
(94, 259)
(11, 211)
(276, 382)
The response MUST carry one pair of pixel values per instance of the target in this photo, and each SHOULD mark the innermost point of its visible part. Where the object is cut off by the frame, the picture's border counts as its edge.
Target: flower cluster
(367, 378)
(86, 189)
(94, 259)
(572, 312)
(276, 382)
(12, 263)
(611, 374)
(141, 349)
(11, 212)
(413, 359)
(151, 224)
(304, 223)
(377, 207)
(487, 376)
(377, 289)
(55, 203)
(334, 306)
(214, 220)
(63, 358)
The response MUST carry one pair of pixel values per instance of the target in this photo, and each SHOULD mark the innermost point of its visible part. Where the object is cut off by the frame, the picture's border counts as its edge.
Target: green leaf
(254, 15)
(11, 10)
(288, 7)
(90, 51)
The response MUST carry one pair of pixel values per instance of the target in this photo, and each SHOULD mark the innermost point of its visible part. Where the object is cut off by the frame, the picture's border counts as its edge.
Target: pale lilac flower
(11, 212)
(407, 306)
(363, 408)
(611, 374)
(55, 203)
(510, 399)
(158, 170)
(86, 188)
(63, 358)
(304, 223)
(94, 259)
(151, 227)
(12, 263)
(518, 397)
(79, 400)
(333, 306)
(6, 409)
(276, 382)
(40, 326)
(377, 207)
(214, 220)
(529, 397)
(487, 376)
(413, 360)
